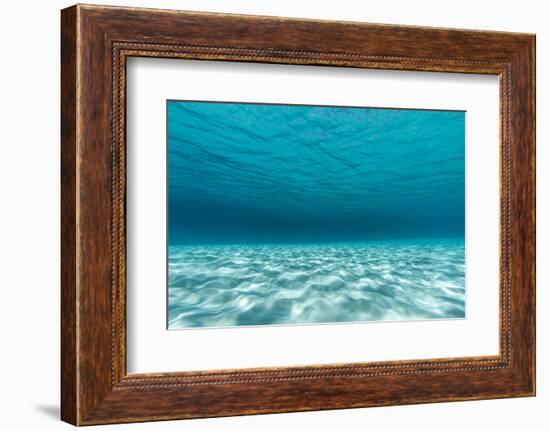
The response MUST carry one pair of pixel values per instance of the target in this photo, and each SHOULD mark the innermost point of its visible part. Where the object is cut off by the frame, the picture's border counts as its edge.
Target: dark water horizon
(372, 240)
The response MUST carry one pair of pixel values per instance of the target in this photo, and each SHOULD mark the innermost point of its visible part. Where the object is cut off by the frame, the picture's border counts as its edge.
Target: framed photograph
(264, 214)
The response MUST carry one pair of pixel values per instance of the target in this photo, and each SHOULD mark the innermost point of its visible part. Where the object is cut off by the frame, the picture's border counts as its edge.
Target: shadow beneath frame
(51, 411)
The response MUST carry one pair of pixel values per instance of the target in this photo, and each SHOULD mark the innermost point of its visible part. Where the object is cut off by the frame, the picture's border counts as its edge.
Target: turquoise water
(281, 214)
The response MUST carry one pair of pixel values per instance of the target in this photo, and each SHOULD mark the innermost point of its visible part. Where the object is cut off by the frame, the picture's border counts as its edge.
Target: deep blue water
(300, 214)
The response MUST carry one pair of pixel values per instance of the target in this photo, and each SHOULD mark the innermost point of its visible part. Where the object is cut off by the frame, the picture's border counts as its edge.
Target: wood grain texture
(69, 366)
(96, 41)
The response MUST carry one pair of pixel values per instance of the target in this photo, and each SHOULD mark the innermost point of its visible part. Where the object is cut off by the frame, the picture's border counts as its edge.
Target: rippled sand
(233, 285)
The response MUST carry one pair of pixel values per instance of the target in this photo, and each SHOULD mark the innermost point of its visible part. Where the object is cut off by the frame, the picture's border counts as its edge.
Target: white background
(29, 227)
(152, 349)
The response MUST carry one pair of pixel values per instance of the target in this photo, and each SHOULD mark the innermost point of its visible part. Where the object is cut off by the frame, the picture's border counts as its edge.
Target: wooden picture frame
(95, 43)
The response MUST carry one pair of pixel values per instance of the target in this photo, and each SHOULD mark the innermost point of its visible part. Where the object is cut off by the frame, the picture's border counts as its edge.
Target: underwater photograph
(301, 214)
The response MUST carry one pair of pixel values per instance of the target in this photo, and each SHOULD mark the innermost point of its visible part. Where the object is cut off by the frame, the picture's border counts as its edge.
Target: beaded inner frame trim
(124, 49)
